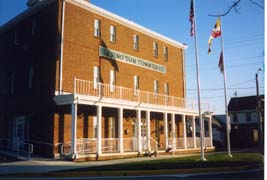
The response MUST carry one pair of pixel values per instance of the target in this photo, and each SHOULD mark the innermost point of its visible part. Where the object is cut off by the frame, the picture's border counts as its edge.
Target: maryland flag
(216, 32)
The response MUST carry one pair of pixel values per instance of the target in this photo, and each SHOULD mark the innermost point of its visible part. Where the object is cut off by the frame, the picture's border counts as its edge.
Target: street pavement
(244, 175)
(41, 165)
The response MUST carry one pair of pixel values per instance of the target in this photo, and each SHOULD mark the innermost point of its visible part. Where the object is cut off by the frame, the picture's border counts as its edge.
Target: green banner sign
(125, 58)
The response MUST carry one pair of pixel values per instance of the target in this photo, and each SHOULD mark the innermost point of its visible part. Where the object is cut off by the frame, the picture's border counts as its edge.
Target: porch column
(194, 131)
(173, 132)
(139, 140)
(120, 129)
(99, 130)
(210, 131)
(148, 130)
(73, 130)
(166, 129)
(184, 124)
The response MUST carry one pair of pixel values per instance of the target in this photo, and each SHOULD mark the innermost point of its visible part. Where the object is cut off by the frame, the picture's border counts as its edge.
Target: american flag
(191, 19)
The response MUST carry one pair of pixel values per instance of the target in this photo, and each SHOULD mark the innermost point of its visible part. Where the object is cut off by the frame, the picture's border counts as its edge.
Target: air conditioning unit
(31, 3)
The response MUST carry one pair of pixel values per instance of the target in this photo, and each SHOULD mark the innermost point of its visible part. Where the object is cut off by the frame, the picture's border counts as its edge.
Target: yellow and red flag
(216, 32)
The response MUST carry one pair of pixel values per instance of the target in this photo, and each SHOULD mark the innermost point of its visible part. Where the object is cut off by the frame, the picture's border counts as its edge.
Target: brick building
(83, 82)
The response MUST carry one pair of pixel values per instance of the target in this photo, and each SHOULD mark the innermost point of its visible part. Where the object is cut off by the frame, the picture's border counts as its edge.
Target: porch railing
(84, 87)
(130, 144)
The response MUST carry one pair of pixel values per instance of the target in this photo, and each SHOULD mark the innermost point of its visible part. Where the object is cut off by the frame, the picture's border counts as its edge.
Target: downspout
(184, 73)
(61, 48)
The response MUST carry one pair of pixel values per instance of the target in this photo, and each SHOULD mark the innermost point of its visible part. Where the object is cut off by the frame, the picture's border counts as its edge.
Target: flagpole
(198, 89)
(228, 125)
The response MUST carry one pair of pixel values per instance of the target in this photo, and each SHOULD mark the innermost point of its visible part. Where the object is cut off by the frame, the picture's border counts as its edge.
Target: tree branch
(234, 6)
(257, 4)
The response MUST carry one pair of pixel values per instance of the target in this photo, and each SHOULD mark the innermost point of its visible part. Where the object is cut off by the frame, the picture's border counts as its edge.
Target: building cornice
(28, 12)
(104, 13)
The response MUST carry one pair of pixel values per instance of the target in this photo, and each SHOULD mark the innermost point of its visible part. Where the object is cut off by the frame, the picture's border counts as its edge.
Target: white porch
(122, 99)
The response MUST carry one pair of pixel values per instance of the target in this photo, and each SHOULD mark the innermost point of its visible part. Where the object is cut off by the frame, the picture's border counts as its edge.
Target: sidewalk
(41, 165)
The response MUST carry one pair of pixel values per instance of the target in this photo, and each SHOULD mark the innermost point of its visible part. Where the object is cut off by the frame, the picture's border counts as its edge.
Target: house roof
(244, 103)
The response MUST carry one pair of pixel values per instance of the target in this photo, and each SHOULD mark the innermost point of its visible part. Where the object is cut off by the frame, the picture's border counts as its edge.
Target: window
(34, 26)
(111, 127)
(165, 52)
(166, 89)
(96, 77)
(31, 73)
(12, 83)
(155, 49)
(136, 42)
(112, 80)
(248, 117)
(97, 28)
(156, 87)
(136, 84)
(16, 38)
(235, 117)
(112, 34)
(94, 126)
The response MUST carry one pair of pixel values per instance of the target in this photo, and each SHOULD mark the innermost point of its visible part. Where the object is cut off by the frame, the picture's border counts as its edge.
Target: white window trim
(136, 85)
(156, 87)
(112, 33)
(96, 77)
(97, 28)
(136, 42)
(165, 52)
(112, 80)
(155, 49)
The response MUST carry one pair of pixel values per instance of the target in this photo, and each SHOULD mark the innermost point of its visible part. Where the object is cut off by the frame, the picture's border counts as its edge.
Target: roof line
(102, 12)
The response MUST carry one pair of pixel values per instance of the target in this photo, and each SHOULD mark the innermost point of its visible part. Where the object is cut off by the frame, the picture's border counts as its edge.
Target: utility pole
(258, 110)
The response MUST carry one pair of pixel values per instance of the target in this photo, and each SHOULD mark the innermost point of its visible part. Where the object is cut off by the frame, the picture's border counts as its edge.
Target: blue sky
(243, 35)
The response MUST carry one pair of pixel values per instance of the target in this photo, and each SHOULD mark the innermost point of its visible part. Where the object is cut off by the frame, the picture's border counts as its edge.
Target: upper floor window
(235, 117)
(34, 26)
(136, 84)
(112, 80)
(136, 42)
(97, 28)
(96, 77)
(12, 83)
(31, 73)
(166, 89)
(155, 49)
(16, 38)
(165, 52)
(112, 34)
(248, 116)
(156, 87)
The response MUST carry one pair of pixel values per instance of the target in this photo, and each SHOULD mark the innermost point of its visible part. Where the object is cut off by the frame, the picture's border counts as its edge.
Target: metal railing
(84, 87)
(18, 148)
(110, 145)
(130, 144)
(154, 144)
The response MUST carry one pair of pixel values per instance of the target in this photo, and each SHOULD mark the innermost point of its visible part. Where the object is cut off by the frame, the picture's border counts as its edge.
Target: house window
(248, 117)
(97, 28)
(94, 126)
(235, 117)
(155, 49)
(111, 126)
(31, 73)
(96, 77)
(136, 84)
(136, 42)
(112, 80)
(112, 34)
(156, 87)
(165, 52)
(34, 26)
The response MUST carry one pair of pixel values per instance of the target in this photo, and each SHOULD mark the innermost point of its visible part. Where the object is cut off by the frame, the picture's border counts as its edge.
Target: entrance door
(18, 135)
(143, 135)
